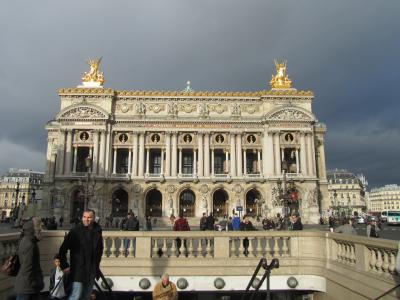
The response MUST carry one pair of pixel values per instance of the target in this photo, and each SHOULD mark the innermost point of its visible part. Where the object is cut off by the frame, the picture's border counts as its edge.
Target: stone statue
(170, 202)
(93, 75)
(203, 110)
(140, 108)
(236, 111)
(280, 80)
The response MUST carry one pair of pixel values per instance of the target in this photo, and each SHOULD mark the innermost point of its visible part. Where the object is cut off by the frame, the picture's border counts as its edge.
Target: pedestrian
(61, 220)
(331, 223)
(210, 221)
(203, 220)
(58, 281)
(85, 245)
(373, 229)
(229, 226)
(165, 289)
(172, 220)
(148, 224)
(236, 222)
(181, 224)
(296, 222)
(29, 280)
(346, 228)
(246, 225)
(131, 224)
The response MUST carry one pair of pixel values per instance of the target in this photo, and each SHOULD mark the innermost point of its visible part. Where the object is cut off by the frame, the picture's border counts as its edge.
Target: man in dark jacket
(246, 225)
(85, 243)
(29, 280)
(296, 222)
(131, 224)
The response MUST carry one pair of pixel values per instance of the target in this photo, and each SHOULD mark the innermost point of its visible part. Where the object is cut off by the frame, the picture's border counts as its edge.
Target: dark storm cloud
(345, 51)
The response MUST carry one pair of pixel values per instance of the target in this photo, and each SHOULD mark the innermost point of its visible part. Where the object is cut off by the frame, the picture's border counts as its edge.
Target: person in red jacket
(181, 224)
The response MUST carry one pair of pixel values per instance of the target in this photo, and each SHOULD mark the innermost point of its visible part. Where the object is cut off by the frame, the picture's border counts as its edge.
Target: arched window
(187, 201)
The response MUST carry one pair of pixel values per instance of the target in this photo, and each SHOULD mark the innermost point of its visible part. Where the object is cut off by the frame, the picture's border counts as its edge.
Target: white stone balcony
(335, 266)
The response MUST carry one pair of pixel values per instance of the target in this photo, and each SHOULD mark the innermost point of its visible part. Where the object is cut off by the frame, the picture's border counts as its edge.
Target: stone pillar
(321, 161)
(162, 162)
(270, 154)
(310, 157)
(75, 159)
(207, 155)
(277, 154)
(174, 154)
(95, 159)
(201, 156)
(212, 162)
(115, 161)
(180, 162)
(194, 162)
(148, 161)
(130, 161)
(259, 161)
(135, 154)
(244, 162)
(109, 147)
(60, 152)
(226, 161)
(264, 153)
(69, 153)
(49, 174)
(297, 161)
(102, 152)
(233, 156)
(303, 151)
(239, 165)
(168, 154)
(141, 155)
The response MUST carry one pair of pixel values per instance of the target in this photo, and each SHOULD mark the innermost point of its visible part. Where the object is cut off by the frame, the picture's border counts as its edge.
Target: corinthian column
(303, 151)
(239, 164)
(311, 157)
(135, 154)
(102, 152)
(233, 156)
(270, 153)
(174, 154)
(60, 153)
(207, 155)
(201, 159)
(69, 153)
(141, 154)
(95, 151)
(277, 154)
(167, 154)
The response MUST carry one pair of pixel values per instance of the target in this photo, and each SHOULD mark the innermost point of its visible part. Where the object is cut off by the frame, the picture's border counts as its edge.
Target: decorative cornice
(256, 94)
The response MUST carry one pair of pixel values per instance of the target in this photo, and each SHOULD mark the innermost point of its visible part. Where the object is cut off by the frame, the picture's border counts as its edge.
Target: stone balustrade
(352, 264)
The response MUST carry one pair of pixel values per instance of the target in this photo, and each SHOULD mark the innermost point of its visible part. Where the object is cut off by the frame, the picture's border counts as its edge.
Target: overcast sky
(347, 52)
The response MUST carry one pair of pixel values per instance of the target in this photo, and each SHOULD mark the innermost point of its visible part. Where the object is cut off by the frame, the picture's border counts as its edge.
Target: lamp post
(88, 164)
(33, 196)
(335, 204)
(16, 195)
(349, 208)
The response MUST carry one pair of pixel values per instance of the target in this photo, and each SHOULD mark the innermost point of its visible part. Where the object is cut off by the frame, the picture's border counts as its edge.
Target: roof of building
(338, 176)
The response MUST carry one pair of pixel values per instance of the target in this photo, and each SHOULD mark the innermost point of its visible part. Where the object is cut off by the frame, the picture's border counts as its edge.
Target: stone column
(194, 162)
(102, 152)
(303, 151)
(226, 161)
(244, 162)
(212, 162)
(130, 160)
(148, 161)
(270, 154)
(168, 154)
(49, 172)
(69, 153)
(264, 153)
(259, 161)
(321, 160)
(310, 157)
(115, 161)
(75, 159)
(239, 164)
(277, 154)
(180, 162)
(109, 147)
(297, 161)
(61, 152)
(141, 155)
(95, 159)
(174, 154)
(135, 154)
(233, 156)
(207, 155)
(162, 162)
(201, 157)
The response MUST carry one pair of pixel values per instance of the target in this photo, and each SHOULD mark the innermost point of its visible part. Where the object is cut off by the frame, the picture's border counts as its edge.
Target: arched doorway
(253, 208)
(220, 203)
(187, 201)
(119, 206)
(78, 204)
(154, 203)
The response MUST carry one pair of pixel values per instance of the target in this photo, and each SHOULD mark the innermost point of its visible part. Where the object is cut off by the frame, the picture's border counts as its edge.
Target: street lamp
(15, 211)
(33, 196)
(349, 208)
(88, 164)
(283, 195)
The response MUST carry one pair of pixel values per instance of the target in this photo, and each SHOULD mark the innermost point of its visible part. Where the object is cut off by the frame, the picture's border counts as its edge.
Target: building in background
(20, 187)
(161, 153)
(347, 192)
(385, 198)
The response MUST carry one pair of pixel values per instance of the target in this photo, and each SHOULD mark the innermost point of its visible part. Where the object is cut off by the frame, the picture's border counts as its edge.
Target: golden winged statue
(93, 75)
(280, 80)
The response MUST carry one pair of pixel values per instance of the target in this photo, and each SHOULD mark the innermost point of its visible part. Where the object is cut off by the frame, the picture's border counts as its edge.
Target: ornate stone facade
(160, 153)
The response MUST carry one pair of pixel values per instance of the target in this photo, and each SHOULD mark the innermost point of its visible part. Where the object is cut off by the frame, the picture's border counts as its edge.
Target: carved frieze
(290, 114)
(124, 107)
(156, 107)
(83, 113)
(203, 110)
(140, 108)
(218, 108)
(236, 110)
(251, 108)
(187, 108)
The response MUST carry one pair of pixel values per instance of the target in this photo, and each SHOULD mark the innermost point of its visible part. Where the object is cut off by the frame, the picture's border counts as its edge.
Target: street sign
(239, 208)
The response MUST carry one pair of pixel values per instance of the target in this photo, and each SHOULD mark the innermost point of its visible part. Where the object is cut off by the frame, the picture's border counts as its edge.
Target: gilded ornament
(280, 80)
(94, 75)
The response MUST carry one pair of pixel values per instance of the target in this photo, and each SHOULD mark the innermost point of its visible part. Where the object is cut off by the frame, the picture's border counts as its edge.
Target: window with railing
(155, 162)
(122, 161)
(187, 163)
(219, 159)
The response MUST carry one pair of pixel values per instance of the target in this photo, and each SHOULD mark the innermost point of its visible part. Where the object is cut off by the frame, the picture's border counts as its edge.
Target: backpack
(11, 265)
